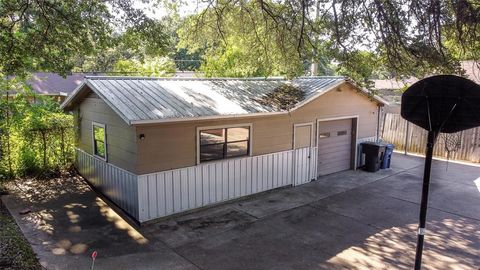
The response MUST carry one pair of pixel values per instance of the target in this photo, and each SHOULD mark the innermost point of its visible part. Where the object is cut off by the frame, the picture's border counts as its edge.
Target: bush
(36, 137)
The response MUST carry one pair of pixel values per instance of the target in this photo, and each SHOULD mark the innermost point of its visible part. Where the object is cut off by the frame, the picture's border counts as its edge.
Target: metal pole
(423, 206)
(406, 137)
(378, 122)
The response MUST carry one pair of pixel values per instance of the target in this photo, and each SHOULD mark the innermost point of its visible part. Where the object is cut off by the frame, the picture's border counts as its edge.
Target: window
(99, 140)
(221, 143)
(341, 133)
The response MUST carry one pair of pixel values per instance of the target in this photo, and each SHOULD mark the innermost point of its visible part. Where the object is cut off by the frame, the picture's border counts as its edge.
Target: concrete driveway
(348, 220)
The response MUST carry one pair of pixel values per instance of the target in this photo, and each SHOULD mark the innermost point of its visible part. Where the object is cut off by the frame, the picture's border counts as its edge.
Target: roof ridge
(276, 78)
(182, 78)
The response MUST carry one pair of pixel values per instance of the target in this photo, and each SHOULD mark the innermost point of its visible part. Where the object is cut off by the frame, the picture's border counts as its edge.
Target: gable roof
(141, 100)
(47, 83)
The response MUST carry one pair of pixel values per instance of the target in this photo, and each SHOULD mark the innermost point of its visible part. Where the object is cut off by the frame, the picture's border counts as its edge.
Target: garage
(335, 146)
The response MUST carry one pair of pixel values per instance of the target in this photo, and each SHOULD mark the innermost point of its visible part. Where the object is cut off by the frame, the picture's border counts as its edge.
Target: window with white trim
(222, 143)
(99, 140)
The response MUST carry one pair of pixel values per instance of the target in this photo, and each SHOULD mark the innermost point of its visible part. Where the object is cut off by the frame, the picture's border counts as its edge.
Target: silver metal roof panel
(144, 100)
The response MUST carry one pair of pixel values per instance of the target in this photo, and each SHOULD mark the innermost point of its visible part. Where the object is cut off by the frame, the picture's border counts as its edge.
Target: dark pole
(423, 206)
(406, 137)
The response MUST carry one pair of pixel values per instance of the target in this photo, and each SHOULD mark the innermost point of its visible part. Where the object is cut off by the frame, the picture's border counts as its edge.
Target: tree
(46, 35)
(185, 60)
(410, 38)
(241, 40)
(158, 67)
(52, 35)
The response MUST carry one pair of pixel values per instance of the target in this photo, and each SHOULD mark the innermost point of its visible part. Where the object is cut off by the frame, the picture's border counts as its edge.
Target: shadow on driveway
(348, 220)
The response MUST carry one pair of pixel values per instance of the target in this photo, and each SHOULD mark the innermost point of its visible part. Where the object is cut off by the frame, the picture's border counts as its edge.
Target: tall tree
(51, 34)
(410, 37)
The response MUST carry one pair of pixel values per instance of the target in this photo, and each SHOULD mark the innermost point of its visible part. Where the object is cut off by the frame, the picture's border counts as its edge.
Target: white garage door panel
(333, 143)
(335, 159)
(330, 170)
(345, 147)
(334, 151)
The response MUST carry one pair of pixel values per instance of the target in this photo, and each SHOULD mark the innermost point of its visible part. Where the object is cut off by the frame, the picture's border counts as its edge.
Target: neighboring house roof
(140, 100)
(389, 89)
(471, 68)
(46, 83)
(392, 96)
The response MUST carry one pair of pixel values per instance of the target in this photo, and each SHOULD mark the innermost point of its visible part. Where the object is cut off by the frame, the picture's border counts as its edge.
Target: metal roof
(149, 100)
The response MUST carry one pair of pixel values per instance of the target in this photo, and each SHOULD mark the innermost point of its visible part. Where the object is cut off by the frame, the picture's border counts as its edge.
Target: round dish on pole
(444, 103)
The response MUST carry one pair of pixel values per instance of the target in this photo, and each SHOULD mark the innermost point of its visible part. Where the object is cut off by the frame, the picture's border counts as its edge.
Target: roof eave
(317, 95)
(70, 98)
(378, 99)
(212, 117)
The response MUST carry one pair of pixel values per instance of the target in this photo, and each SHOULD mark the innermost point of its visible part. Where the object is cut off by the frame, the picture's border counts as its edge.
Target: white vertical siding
(117, 184)
(175, 191)
(150, 196)
(305, 165)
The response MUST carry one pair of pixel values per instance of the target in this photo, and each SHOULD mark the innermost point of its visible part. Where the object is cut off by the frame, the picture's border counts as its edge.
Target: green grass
(15, 251)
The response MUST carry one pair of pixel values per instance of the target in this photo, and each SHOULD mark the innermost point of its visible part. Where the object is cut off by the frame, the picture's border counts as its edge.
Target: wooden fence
(405, 135)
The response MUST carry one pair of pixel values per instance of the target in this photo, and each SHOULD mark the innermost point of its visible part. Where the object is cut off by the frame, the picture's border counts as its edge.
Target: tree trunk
(44, 140)
(64, 158)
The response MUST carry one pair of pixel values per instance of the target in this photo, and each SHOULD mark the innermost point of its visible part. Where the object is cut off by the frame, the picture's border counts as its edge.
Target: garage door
(334, 146)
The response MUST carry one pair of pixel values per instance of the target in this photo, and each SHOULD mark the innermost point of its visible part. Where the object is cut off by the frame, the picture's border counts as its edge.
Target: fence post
(63, 146)
(44, 141)
(406, 137)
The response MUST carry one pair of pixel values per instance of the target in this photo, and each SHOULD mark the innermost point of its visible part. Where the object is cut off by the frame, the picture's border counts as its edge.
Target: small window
(324, 135)
(221, 143)
(99, 141)
(341, 133)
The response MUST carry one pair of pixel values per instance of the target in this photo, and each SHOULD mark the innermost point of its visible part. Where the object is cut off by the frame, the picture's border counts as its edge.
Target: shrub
(35, 135)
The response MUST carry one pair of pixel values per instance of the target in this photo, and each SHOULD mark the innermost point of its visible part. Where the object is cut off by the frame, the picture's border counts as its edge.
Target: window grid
(99, 142)
(225, 144)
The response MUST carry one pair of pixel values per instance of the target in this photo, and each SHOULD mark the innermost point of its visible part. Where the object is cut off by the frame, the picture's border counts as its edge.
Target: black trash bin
(374, 153)
(387, 158)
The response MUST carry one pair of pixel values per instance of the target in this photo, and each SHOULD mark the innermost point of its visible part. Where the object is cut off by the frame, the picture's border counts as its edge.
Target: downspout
(378, 122)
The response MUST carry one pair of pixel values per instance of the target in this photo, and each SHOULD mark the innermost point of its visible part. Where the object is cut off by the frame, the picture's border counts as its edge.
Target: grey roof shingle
(141, 100)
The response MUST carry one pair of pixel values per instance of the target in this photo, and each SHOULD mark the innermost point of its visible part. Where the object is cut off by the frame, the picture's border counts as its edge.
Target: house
(392, 89)
(159, 146)
(58, 87)
(54, 85)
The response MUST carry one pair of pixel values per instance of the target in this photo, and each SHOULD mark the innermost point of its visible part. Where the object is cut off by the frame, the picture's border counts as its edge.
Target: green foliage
(266, 37)
(148, 39)
(46, 35)
(242, 41)
(360, 67)
(36, 136)
(158, 67)
(187, 61)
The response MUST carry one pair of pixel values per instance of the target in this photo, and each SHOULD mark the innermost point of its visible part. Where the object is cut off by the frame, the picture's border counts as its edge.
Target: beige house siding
(173, 145)
(121, 138)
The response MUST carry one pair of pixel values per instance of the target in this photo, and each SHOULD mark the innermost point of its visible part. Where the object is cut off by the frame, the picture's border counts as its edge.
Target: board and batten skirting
(151, 196)
(175, 191)
(117, 184)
